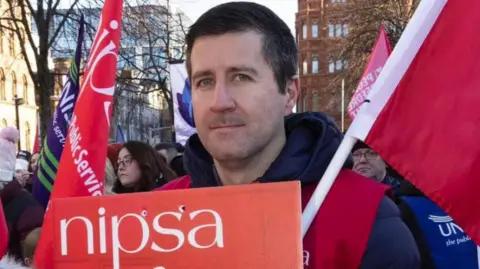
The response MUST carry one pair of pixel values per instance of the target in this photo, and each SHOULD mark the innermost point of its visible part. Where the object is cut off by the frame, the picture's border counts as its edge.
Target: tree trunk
(44, 90)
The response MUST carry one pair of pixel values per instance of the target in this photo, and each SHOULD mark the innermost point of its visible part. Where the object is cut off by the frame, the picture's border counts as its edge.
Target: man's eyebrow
(247, 69)
(201, 73)
(232, 69)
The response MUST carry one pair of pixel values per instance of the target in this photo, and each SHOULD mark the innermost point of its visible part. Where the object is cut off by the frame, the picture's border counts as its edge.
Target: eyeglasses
(369, 155)
(127, 161)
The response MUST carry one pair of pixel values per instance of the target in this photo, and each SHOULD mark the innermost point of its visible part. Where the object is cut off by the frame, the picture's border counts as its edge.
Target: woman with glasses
(140, 169)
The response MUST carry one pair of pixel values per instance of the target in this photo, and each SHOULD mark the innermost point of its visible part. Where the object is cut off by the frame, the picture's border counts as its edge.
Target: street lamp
(18, 102)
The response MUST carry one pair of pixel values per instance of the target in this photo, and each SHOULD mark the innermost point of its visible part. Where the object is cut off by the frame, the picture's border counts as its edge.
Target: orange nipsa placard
(252, 226)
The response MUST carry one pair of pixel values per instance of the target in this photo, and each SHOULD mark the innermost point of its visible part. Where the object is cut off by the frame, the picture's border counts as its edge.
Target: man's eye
(204, 82)
(242, 77)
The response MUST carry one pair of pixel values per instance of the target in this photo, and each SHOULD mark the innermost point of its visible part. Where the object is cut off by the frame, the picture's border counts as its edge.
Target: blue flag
(120, 138)
(44, 176)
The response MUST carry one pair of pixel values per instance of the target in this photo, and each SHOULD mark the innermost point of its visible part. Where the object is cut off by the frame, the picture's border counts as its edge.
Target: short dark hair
(166, 146)
(279, 48)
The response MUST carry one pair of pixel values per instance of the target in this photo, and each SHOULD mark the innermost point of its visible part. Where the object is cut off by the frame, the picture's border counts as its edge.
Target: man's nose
(222, 98)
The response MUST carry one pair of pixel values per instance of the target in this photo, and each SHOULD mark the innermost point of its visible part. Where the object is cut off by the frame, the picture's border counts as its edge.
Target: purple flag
(52, 148)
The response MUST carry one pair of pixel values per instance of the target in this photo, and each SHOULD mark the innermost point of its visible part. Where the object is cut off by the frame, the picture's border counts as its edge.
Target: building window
(14, 84)
(25, 88)
(345, 30)
(337, 30)
(304, 31)
(3, 95)
(337, 65)
(28, 145)
(127, 58)
(315, 102)
(304, 101)
(305, 67)
(331, 66)
(315, 65)
(315, 30)
(11, 40)
(331, 30)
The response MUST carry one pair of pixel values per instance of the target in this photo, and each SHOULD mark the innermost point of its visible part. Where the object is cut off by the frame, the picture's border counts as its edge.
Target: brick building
(318, 34)
(321, 26)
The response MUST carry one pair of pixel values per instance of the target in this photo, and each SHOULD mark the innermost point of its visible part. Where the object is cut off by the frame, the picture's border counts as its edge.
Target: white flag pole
(343, 105)
(326, 182)
(405, 50)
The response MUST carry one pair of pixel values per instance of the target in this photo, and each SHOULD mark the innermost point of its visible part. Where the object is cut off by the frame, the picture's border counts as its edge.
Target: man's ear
(291, 93)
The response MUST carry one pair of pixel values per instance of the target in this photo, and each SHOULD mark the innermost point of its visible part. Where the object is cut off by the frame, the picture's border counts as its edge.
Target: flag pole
(328, 178)
(343, 105)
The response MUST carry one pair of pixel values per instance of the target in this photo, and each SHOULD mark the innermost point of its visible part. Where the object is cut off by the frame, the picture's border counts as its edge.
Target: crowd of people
(130, 167)
(242, 62)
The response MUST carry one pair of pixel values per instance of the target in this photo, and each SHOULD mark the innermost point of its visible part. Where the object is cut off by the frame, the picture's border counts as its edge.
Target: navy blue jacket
(312, 140)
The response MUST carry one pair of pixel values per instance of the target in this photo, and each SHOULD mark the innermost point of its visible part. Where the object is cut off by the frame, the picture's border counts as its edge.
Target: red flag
(422, 116)
(36, 143)
(81, 169)
(4, 236)
(377, 60)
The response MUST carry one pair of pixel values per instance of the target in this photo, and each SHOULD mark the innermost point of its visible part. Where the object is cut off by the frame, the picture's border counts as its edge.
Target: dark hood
(312, 140)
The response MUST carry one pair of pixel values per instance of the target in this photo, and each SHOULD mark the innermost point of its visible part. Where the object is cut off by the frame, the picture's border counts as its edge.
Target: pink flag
(4, 236)
(379, 56)
(422, 116)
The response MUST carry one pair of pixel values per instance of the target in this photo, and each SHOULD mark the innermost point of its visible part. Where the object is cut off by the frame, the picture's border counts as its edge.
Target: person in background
(29, 246)
(167, 150)
(441, 242)
(22, 212)
(242, 62)
(180, 148)
(110, 167)
(22, 170)
(369, 164)
(177, 163)
(34, 162)
(140, 169)
(173, 154)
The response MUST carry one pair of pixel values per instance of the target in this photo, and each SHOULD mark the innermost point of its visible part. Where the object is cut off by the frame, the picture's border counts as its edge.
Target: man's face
(237, 106)
(369, 164)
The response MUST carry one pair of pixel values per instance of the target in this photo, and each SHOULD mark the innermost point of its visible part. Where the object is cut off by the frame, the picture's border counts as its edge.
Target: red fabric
(339, 233)
(429, 129)
(112, 153)
(3, 232)
(36, 143)
(89, 127)
(378, 58)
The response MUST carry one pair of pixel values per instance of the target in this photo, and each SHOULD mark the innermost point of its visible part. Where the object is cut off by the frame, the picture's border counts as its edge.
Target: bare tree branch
(33, 25)
(365, 18)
